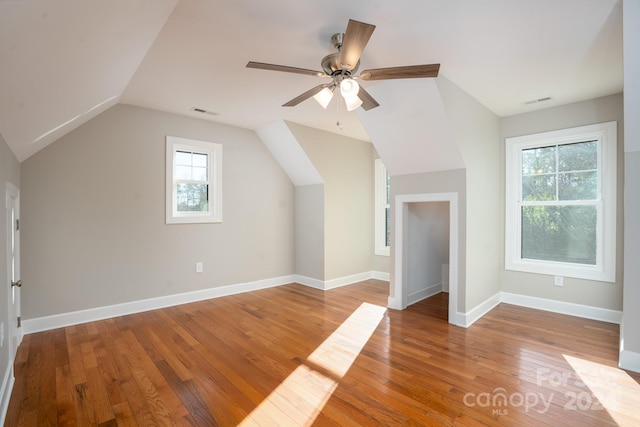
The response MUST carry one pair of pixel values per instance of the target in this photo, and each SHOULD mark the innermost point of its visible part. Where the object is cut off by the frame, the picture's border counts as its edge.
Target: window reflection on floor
(301, 396)
(607, 388)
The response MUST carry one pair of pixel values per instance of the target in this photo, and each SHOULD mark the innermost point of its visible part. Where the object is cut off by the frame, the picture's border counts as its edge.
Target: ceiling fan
(341, 67)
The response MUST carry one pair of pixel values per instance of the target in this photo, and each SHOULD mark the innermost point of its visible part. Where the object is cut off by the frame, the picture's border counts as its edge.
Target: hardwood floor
(293, 355)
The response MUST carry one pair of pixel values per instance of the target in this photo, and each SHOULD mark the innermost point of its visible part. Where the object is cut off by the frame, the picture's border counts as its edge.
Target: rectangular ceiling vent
(535, 101)
(203, 111)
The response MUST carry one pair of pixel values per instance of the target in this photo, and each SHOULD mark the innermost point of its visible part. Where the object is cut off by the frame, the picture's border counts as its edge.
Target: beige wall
(346, 168)
(93, 213)
(477, 132)
(579, 291)
(380, 263)
(309, 231)
(9, 173)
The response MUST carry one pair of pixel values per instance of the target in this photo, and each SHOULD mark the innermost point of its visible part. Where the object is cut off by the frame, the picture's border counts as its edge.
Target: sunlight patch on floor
(299, 399)
(615, 391)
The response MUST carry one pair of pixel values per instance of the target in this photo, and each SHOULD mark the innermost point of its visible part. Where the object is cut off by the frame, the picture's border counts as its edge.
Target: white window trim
(380, 200)
(605, 267)
(214, 152)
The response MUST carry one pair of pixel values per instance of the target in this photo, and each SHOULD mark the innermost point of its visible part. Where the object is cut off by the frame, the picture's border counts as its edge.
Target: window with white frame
(382, 209)
(194, 181)
(561, 202)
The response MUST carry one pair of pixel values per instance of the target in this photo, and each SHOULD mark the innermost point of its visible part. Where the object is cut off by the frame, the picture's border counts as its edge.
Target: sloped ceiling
(411, 128)
(285, 148)
(64, 61)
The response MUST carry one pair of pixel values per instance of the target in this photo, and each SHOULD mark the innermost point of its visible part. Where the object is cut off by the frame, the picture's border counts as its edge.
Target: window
(382, 210)
(194, 181)
(561, 202)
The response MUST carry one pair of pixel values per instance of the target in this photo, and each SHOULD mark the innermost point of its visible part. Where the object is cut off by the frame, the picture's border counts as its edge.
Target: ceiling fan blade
(408, 72)
(286, 69)
(367, 100)
(353, 43)
(308, 94)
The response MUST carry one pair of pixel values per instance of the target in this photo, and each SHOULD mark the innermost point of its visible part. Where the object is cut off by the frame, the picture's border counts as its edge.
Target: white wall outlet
(199, 267)
(1, 334)
(558, 281)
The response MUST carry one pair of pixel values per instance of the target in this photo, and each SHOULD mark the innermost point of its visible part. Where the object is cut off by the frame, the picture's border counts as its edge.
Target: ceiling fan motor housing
(330, 63)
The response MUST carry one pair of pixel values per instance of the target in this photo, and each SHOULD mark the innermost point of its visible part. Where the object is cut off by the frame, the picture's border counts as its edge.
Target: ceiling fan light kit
(324, 96)
(349, 89)
(352, 103)
(341, 67)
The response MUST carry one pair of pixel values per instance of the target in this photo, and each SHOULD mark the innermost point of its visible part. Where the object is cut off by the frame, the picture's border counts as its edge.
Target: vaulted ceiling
(64, 61)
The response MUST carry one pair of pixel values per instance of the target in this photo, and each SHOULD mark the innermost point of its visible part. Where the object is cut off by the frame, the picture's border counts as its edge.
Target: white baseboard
(562, 307)
(629, 361)
(394, 303)
(380, 275)
(325, 285)
(470, 317)
(5, 391)
(347, 280)
(430, 291)
(55, 321)
(99, 313)
(309, 281)
(568, 308)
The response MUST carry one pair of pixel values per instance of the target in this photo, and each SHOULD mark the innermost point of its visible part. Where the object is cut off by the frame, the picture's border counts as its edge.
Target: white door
(13, 261)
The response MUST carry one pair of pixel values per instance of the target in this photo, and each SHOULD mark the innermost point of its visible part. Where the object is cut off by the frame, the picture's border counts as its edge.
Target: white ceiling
(64, 61)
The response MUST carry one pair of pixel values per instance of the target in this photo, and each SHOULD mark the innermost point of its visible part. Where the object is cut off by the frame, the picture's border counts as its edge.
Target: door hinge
(17, 225)
(19, 321)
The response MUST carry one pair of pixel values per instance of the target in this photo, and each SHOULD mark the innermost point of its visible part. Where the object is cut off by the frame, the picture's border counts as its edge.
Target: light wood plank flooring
(293, 355)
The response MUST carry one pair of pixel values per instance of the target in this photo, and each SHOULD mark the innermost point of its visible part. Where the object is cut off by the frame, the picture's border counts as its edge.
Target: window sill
(194, 220)
(383, 252)
(561, 269)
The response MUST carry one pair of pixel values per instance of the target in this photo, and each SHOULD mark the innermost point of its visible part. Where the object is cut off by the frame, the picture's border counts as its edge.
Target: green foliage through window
(560, 172)
(192, 197)
(556, 231)
(559, 233)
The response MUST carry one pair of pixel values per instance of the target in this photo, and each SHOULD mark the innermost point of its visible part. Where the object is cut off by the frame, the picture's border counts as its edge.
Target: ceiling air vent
(203, 111)
(535, 101)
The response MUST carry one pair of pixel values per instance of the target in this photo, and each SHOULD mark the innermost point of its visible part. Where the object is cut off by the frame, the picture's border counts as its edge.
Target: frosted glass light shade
(352, 103)
(324, 97)
(349, 88)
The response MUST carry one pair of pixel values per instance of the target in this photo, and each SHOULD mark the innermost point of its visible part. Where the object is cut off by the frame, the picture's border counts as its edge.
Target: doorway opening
(13, 263)
(422, 222)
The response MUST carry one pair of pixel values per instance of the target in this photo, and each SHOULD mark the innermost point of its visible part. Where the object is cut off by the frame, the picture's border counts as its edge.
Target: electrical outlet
(558, 281)
(199, 267)
(1, 334)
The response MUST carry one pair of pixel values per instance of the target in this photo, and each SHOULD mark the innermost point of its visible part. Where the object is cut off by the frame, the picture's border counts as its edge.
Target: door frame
(401, 214)
(13, 330)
